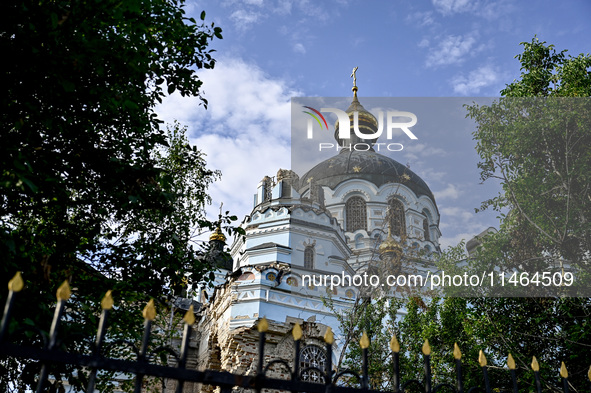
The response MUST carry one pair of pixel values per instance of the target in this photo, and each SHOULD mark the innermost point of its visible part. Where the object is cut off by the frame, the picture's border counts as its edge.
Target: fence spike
(481, 359)
(297, 332)
(263, 325)
(107, 302)
(149, 312)
(296, 361)
(63, 292)
(563, 370)
(394, 344)
(16, 284)
(364, 342)
(329, 336)
(458, 356)
(262, 328)
(589, 374)
(106, 305)
(457, 352)
(510, 362)
(427, 365)
(189, 317)
(426, 348)
(536, 367)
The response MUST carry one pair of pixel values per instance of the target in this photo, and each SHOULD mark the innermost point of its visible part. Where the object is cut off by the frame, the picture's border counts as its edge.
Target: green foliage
(92, 189)
(441, 321)
(538, 148)
(546, 72)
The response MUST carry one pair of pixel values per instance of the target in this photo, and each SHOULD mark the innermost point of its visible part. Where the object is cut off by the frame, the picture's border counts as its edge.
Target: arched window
(426, 229)
(355, 214)
(397, 219)
(309, 257)
(315, 357)
(359, 241)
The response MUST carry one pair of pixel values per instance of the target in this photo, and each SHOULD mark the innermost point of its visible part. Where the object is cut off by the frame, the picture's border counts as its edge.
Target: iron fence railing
(141, 367)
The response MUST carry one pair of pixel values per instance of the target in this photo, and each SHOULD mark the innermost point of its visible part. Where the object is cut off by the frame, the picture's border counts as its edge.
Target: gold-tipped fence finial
(263, 325)
(329, 336)
(149, 312)
(534, 364)
(16, 284)
(64, 292)
(481, 359)
(297, 332)
(394, 344)
(457, 352)
(426, 348)
(364, 342)
(189, 317)
(563, 370)
(107, 302)
(511, 362)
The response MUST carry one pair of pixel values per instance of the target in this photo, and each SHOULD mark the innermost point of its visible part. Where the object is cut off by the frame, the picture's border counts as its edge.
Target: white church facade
(350, 212)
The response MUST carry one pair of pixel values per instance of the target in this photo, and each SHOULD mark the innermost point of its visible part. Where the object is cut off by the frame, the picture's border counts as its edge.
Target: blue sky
(274, 50)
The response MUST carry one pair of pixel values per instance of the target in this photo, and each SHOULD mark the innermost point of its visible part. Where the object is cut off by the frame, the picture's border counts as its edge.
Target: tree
(539, 150)
(91, 187)
(535, 140)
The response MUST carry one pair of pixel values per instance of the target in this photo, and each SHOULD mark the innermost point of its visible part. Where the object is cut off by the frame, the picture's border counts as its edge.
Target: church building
(356, 212)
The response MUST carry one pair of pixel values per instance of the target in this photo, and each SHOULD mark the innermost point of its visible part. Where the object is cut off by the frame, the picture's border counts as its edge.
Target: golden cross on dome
(354, 76)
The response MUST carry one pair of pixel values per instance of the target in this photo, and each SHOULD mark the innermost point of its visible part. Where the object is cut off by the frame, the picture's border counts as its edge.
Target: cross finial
(354, 76)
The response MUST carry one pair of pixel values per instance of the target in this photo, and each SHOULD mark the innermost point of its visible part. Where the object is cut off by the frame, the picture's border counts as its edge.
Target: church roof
(264, 246)
(366, 165)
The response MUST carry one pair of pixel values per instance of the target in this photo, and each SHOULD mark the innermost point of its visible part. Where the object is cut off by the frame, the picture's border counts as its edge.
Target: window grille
(355, 214)
(267, 188)
(397, 219)
(426, 229)
(312, 356)
(309, 257)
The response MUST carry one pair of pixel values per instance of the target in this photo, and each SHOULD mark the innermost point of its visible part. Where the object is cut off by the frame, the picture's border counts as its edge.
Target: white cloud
(487, 9)
(455, 240)
(452, 50)
(457, 213)
(422, 150)
(463, 224)
(421, 19)
(245, 132)
(299, 48)
(244, 19)
(424, 43)
(447, 7)
(478, 79)
(450, 192)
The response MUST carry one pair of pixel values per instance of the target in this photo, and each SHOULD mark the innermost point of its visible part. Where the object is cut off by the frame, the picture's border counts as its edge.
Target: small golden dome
(390, 245)
(367, 123)
(218, 235)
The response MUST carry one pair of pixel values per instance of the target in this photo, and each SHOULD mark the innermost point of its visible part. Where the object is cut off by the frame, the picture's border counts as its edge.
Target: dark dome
(366, 165)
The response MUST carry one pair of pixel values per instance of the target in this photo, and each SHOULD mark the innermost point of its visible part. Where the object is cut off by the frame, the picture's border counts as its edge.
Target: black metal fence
(332, 382)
